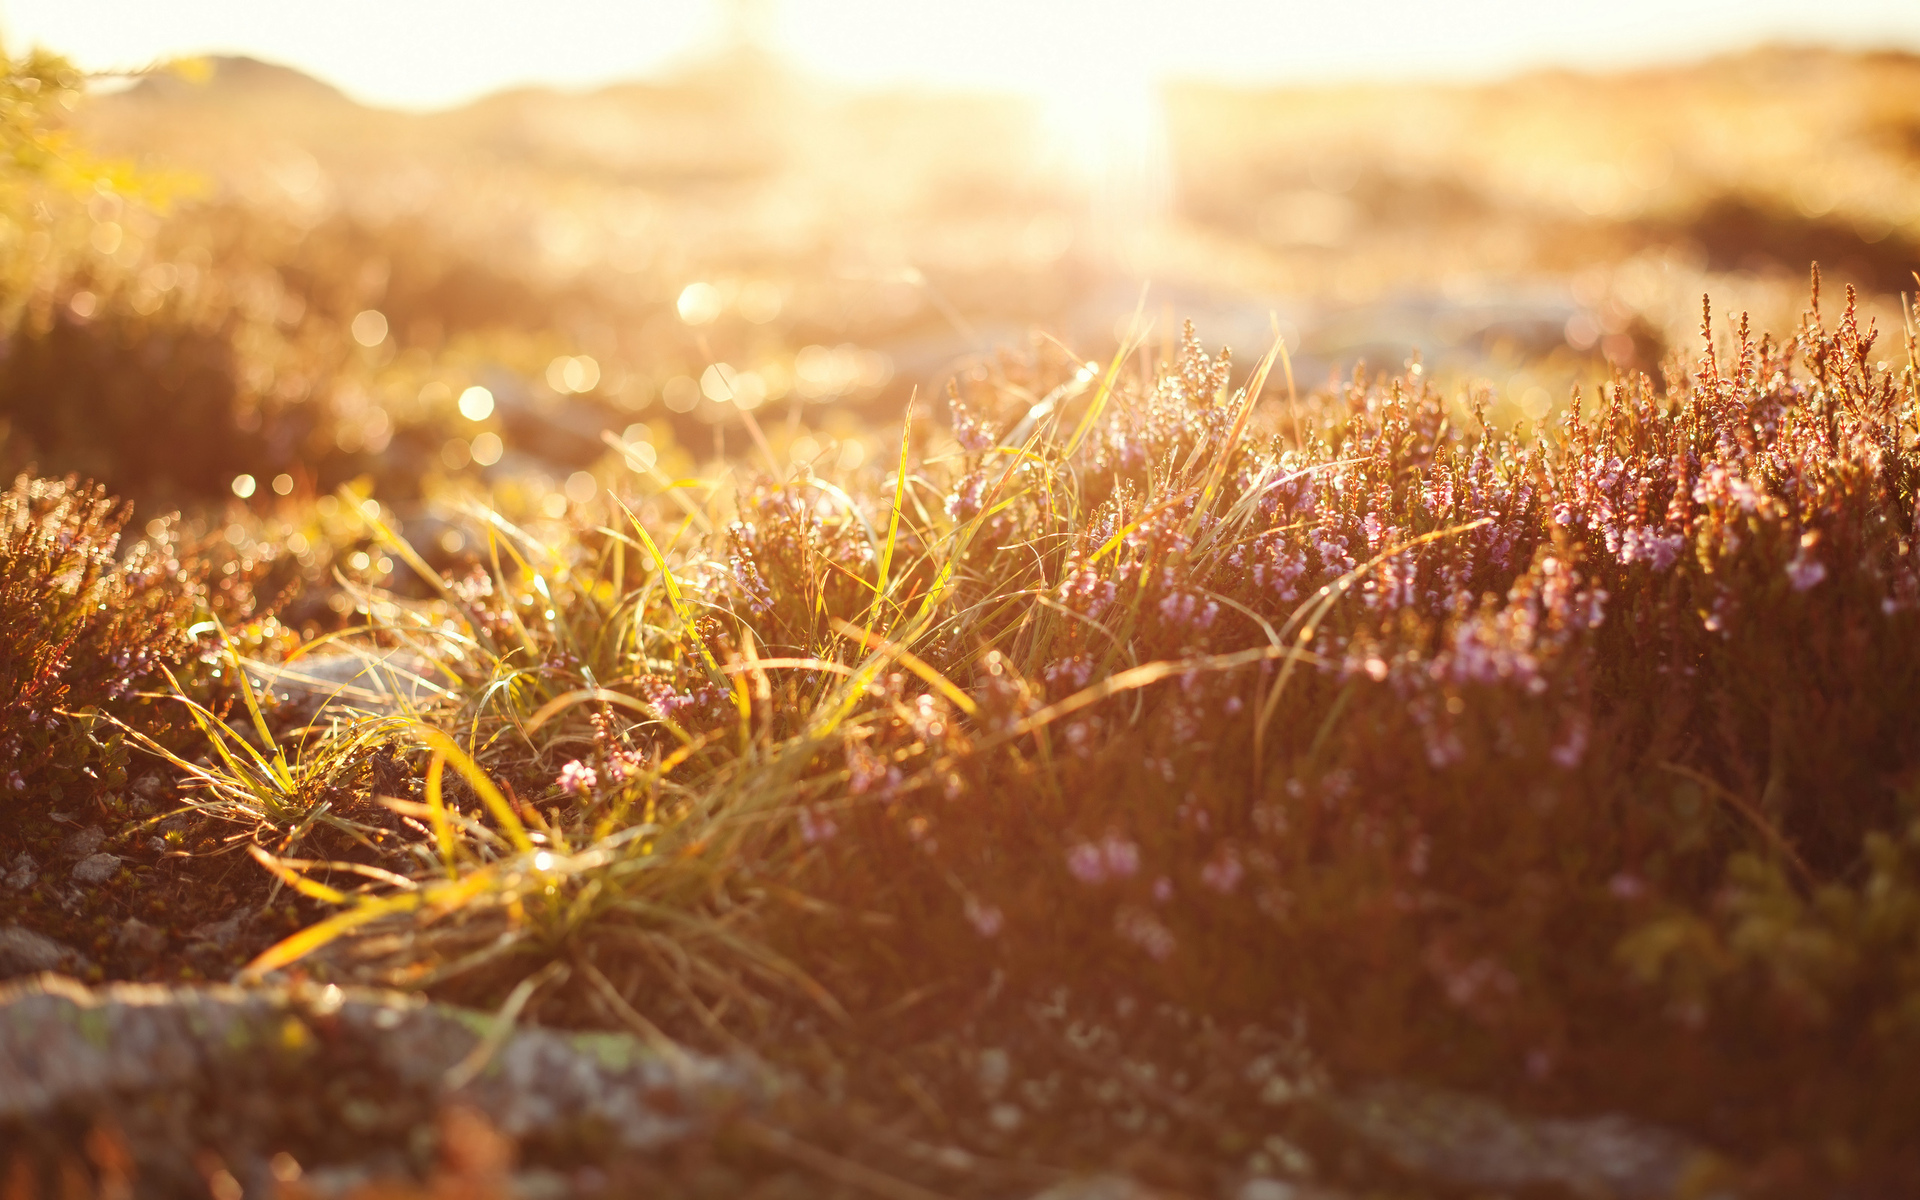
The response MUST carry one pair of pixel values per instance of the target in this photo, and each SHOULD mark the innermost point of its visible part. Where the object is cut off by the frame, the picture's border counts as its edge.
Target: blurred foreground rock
(24, 952)
(1468, 1142)
(358, 1086)
(179, 1077)
(335, 681)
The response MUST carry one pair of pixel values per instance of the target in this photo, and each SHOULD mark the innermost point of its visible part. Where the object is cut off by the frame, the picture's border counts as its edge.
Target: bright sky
(430, 53)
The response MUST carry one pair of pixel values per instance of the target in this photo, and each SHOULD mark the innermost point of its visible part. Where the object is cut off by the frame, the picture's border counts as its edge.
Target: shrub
(82, 632)
(1569, 763)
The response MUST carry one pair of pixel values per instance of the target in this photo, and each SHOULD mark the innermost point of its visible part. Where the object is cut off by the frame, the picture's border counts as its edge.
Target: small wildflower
(1122, 856)
(816, 827)
(1223, 872)
(1086, 863)
(1626, 886)
(576, 779)
(1572, 746)
(1805, 570)
(1146, 931)
(986, 919)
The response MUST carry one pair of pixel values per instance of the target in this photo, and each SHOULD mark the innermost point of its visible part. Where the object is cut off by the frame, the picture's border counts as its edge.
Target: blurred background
(438, 244)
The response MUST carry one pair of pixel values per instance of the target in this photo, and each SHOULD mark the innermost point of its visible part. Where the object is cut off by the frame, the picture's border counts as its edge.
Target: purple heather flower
(576, 778)
(816, 827)
(1223, 873)
(1571, 748)
(1805, 570)
(1625, 886)
(1123, 857)
(1085, 863)
(1144, 930)
(986, 920)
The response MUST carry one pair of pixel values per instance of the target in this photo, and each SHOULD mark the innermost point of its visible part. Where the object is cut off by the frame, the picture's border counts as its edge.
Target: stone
(96, 869)
(138, 937)
(82, 842)
(221, 933)
(1098, 1187)
(173, 1067)
(376, 682)
(24, 952)
(22, 872)
(1470, 1142)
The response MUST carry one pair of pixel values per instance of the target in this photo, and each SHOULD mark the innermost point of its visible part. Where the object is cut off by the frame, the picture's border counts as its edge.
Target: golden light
(370, 328)
(476, 403)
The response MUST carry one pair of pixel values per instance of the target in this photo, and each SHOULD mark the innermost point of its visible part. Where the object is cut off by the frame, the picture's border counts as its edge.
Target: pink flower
(1625, 886)
(1123, 857)
(1085, 863)
(1805, 571)
(1144, 930)
(1224, 873)
(1572, 746)
(816, 827)
(576, 778)
(985, 918)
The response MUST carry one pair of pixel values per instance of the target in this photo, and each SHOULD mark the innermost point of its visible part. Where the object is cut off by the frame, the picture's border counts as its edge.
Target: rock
(1098, 1187)
(1262, 1188)
(377, 681)
(96, 868)
(22, 873)
(1470, 1142)
(344, 1076)
(138, 937)
(82, 842)
(24, 952)
(221, 933)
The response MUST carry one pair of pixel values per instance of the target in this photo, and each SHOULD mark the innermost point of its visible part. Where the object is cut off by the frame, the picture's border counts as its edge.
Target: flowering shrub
(82, 629)
(1573, 763)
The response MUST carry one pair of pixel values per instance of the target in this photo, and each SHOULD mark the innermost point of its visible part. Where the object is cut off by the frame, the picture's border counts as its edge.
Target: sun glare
(1106, 130)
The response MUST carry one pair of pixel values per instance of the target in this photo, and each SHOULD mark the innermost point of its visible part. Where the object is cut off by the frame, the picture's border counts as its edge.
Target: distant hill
(231, 78)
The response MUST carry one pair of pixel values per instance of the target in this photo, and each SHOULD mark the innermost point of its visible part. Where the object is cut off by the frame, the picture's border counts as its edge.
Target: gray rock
(96, 869)
(22, 872)
(1098, 1187)
(24, 952)
(138, 937)
(82, 842)
(1467, 1141)
(221, 933)
(1262, 1188)
(169, 1065)
(379, 681)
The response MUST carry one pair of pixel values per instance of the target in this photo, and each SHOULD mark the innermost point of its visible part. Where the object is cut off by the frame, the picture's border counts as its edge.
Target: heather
(1105, 752)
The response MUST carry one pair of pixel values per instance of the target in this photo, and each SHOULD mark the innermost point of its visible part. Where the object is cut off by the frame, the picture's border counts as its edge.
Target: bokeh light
(370, 328)
(476, 403)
